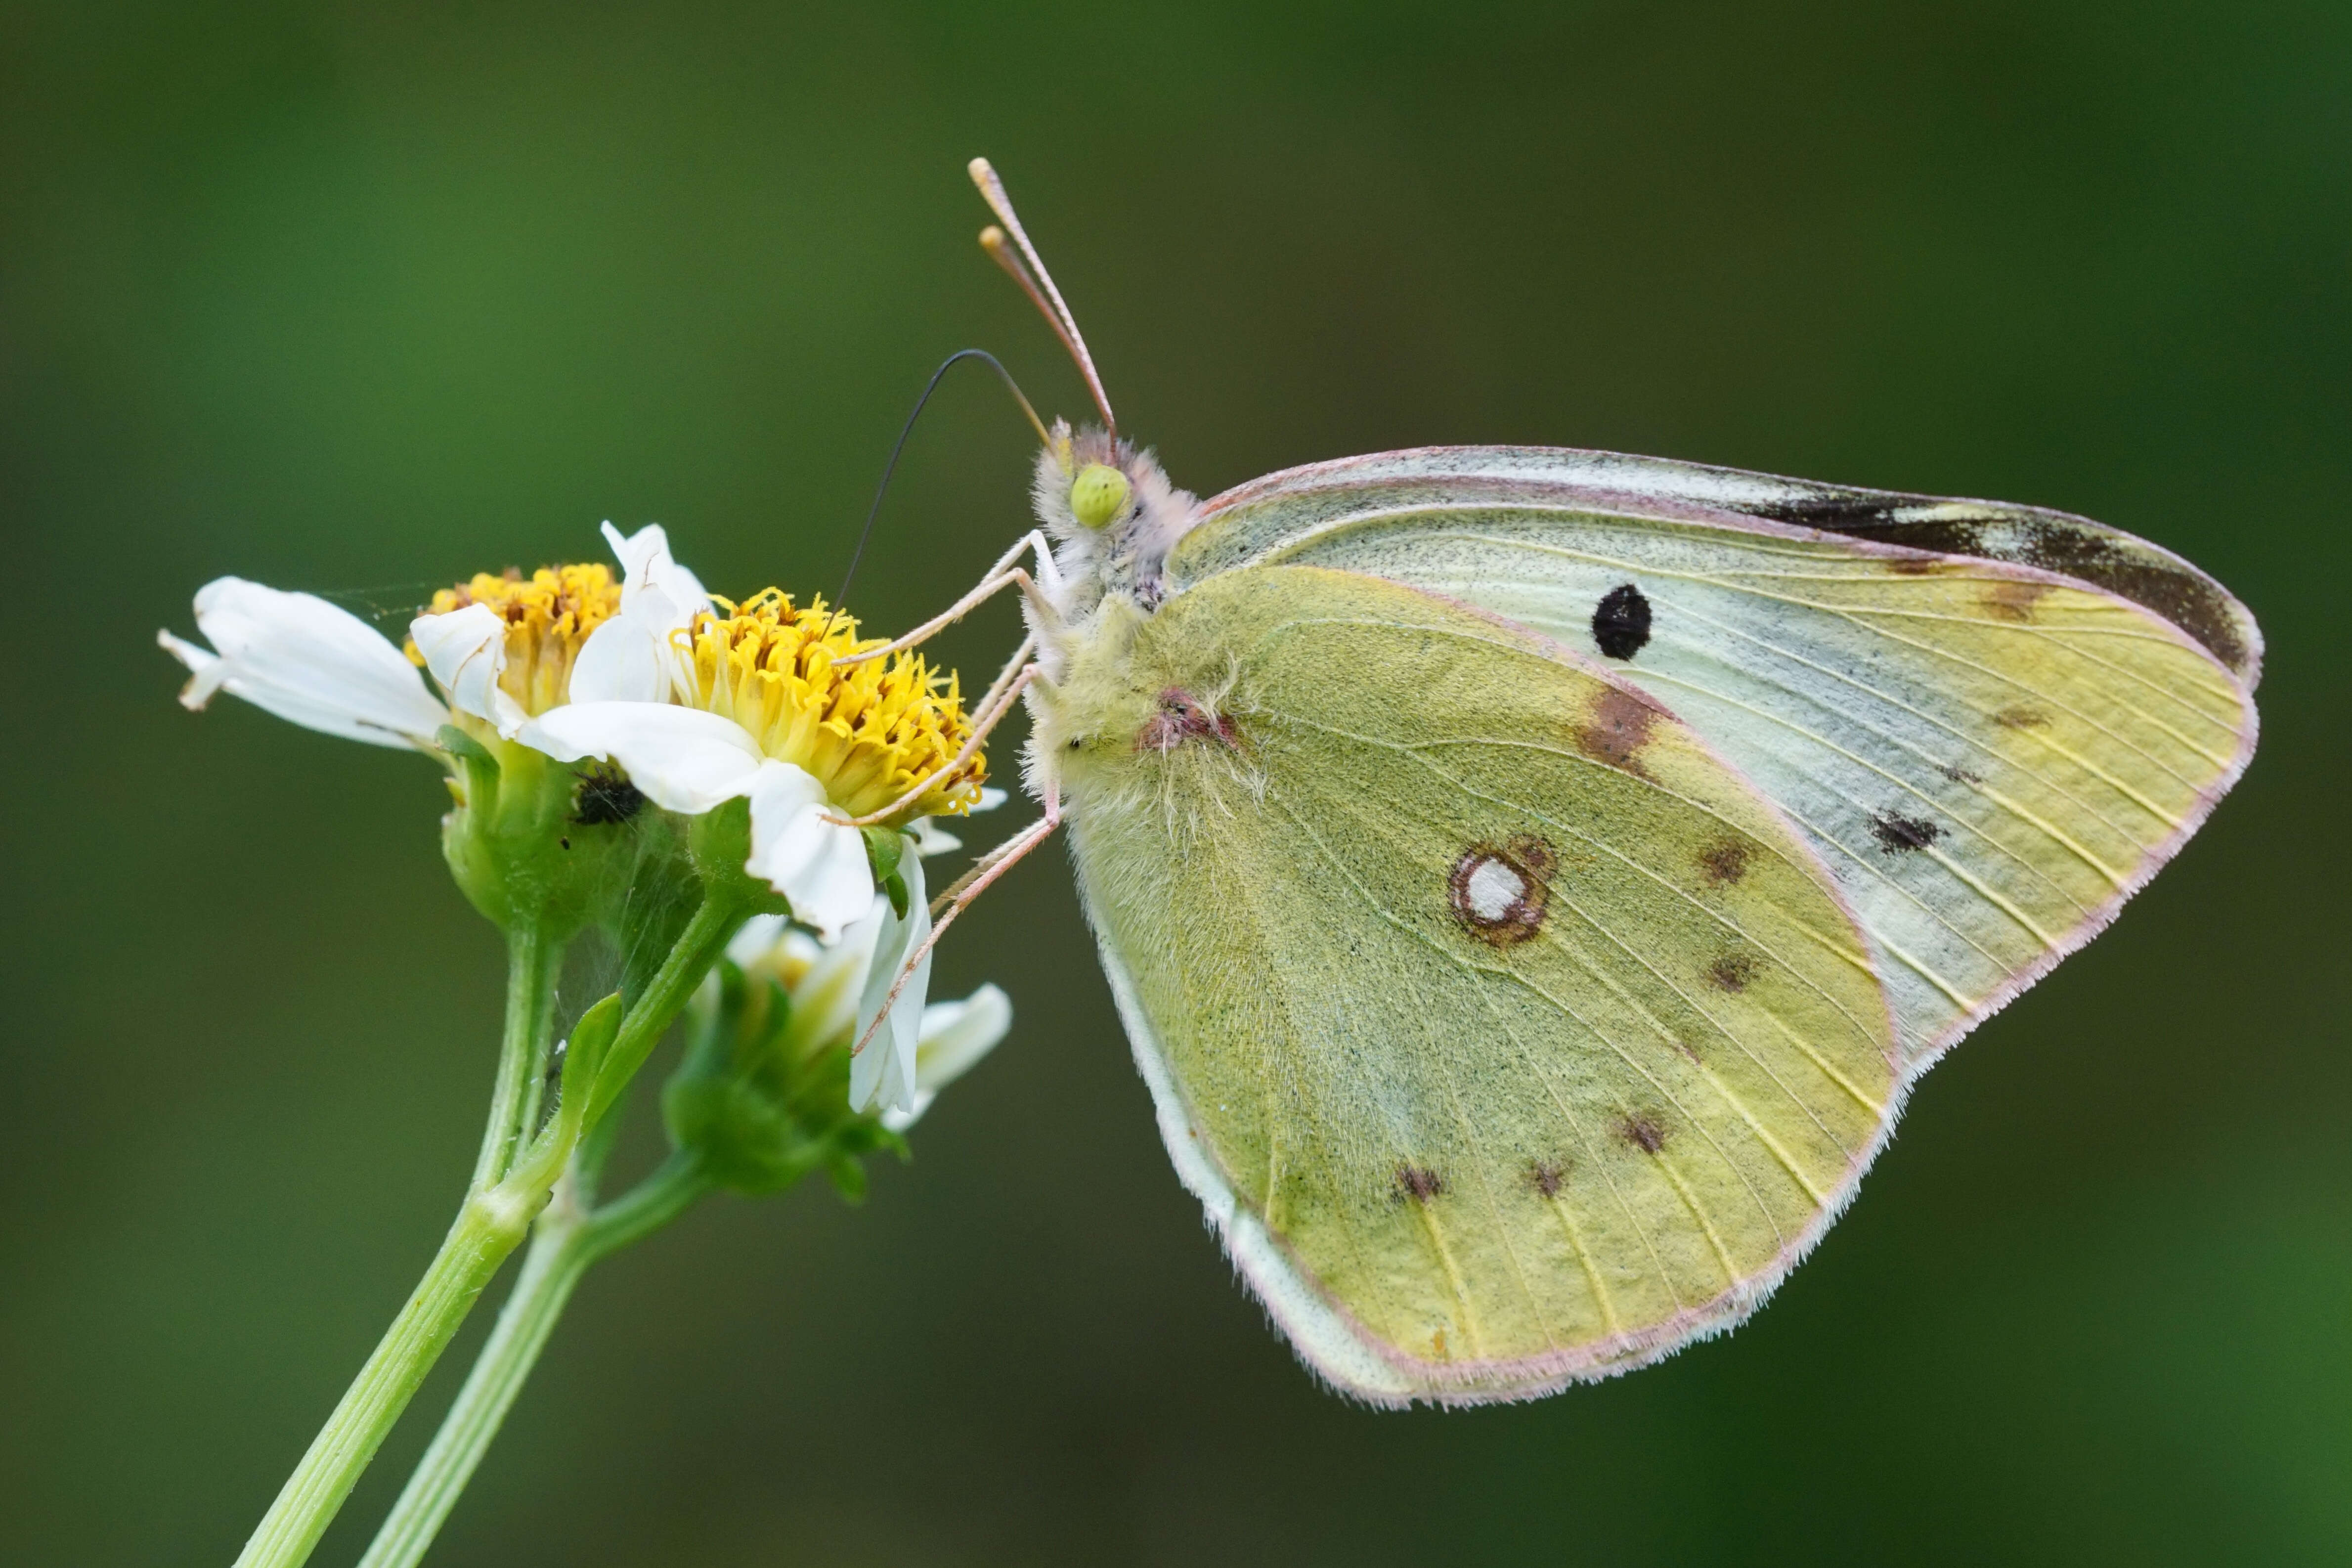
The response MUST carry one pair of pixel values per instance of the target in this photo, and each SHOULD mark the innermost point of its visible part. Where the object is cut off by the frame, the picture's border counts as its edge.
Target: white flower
(883, 1072)
(834, 989)
(307, 661)
(687, 760)
(954, 1036)
(624, 657)
(502, 649)
(700, 710)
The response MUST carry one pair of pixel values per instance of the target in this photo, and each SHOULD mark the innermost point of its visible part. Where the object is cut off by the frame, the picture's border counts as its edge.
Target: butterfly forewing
(1511, 1035)
(1989, 757)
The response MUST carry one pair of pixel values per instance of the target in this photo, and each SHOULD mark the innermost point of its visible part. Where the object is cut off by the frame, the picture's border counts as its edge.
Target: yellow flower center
(868, 733)
(548, 614)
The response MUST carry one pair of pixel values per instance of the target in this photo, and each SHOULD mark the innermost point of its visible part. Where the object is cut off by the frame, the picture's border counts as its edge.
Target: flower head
(866, 733)
(825, 983)
(759, 708)
(501, 649)
(509, 642)
(789, 1013)
(508, 647)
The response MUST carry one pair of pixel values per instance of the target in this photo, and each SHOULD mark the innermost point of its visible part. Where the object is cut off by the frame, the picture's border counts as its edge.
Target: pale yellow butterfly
(1532, 878)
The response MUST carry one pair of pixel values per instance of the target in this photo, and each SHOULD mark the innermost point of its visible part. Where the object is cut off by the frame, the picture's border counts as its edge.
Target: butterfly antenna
(1035, 281)
(891, 466)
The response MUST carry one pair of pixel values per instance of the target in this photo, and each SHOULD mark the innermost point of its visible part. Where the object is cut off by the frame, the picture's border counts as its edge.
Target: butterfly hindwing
(1510, 1033)
(1993, 723)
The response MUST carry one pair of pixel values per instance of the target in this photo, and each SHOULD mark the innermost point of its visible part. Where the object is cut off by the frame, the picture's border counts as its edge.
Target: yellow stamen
(868, 733)
(548, 614)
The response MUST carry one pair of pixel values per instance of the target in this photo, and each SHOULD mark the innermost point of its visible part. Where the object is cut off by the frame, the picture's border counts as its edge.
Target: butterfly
(1531, 879)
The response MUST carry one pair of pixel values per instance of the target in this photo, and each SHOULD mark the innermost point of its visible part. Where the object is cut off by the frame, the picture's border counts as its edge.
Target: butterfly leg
(993, 708)
(1039, 593)
(962, 891)
(1005, 676)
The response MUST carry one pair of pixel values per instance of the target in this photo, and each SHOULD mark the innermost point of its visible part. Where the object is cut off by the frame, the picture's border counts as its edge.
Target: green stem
(493, 1221)
(566, 1244)
(532, 963)
(487, 1228)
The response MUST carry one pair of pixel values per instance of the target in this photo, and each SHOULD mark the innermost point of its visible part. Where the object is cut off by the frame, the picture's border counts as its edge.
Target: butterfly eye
(1099, 494)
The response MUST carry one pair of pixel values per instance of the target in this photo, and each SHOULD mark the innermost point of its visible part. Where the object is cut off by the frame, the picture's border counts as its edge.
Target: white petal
(682, 758)
(990, 799)
(818, 864)
(824, 1003)
(882, 1075)
(307, 661)
(466, 650)
(206, 670)
(930, 838)
(652, 584)
(954, 1035)
(623, 661)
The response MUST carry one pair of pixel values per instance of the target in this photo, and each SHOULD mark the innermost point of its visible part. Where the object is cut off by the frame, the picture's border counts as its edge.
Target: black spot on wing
(1732, 972)
(2050, 542)
(1418, 1183)
(1644, 1131)
(1725, 863)
(1621, 622)
(1900, 835)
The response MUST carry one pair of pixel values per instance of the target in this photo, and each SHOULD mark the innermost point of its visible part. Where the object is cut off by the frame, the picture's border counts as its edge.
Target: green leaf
(591, 1036)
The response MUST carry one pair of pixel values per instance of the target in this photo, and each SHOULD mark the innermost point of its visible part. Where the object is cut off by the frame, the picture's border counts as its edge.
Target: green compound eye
(1099, 494)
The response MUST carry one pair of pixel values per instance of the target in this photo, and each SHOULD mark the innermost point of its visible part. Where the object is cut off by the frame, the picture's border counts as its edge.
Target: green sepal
(517, 846)
(886, 848)
(459, 743)
(859, 1136)
(721, 843)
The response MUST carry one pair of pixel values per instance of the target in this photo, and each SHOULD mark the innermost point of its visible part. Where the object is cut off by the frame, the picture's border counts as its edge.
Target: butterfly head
(1110, 509)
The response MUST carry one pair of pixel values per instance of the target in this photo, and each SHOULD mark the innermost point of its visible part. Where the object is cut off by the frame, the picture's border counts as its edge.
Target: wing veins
(1849, 616)
(1593, 971)
(1405, 930)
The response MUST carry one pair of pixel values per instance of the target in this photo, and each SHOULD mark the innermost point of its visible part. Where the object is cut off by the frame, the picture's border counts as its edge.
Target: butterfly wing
(1993, 723)
(1508, 1034)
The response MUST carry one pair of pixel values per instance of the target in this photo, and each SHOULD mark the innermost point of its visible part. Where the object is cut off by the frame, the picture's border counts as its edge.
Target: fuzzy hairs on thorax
(1112, 515)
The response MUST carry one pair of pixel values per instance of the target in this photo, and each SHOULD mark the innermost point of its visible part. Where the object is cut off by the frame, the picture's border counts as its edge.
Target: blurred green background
(361, 299)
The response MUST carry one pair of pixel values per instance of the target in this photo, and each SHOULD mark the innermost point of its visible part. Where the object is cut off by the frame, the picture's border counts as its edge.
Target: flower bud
(763, 1092)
